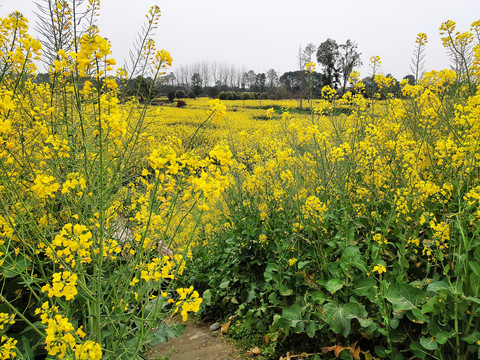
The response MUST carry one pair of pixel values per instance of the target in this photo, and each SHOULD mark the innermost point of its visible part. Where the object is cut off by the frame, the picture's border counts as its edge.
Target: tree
(307, 54)
(410, 79)
(251, 77)
(349, 58)
(259, 84)
(196, 84)
(272, 79)
(328, 56)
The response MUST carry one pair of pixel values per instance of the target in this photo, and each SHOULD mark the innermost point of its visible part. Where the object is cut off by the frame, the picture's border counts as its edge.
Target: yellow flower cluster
(72, 244)
(189, 301)
(64, 284)
(8, 348)
(61, 337)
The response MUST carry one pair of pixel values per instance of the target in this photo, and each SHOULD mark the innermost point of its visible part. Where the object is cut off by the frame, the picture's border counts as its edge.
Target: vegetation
(347, 228)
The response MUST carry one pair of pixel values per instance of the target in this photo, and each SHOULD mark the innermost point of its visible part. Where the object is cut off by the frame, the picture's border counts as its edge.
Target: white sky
(264, 34)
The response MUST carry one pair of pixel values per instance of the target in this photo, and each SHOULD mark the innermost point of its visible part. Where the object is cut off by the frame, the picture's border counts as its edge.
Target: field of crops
(347, 228)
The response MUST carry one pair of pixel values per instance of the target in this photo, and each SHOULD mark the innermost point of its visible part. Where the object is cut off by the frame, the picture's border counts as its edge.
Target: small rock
(215, 327)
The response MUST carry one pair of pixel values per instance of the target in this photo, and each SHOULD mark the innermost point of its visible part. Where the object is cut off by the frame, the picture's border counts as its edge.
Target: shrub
(181, 103)
(192, 95)
(180, 94)
(222, 95)
(171, 96)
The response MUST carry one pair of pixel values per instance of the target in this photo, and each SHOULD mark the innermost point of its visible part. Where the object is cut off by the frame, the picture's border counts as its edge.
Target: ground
(197, 342)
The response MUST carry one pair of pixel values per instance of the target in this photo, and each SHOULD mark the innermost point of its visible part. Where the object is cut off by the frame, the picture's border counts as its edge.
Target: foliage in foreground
(96, 219)
(357, 235)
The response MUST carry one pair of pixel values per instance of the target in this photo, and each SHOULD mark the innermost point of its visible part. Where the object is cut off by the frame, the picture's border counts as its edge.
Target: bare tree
(307, 54)
(205, 72)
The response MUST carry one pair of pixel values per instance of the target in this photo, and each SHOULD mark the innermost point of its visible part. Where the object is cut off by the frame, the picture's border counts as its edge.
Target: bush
(192, 95)
(222, 95)
(181, 103)
(213, 92)
(171, 96)
(180, 94)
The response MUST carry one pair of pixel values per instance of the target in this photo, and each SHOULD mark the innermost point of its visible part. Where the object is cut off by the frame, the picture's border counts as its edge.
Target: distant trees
(349, 59)
(272, 79)
(328, 56)
(338, 61)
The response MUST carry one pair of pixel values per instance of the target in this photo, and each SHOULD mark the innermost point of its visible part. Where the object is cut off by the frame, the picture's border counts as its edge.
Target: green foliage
(180, 94)
(350, 278)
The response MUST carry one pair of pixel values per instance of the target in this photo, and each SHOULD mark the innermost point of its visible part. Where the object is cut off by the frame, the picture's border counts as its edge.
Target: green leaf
(269, 272)
(365, 287)
(310, 329)
(285, 290)
(418, 350)
(443, 336)
(224, 284)
(439, 286)
(475, 267)
(472, 338)
(429, 306)
(165, 332)
(333, 285)
(12, 267)
(352, 257)
(339, 316)
(207, 297)
(318, 297)
(302, 264)
(405, 297)
(472, 299)
(293, 312)
(428, 343)
(291, 318)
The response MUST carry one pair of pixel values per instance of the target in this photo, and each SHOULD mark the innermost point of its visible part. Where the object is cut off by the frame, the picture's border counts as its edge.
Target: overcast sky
(264, 34)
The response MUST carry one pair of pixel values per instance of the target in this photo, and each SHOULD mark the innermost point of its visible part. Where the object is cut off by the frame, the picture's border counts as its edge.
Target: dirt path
(197, 342)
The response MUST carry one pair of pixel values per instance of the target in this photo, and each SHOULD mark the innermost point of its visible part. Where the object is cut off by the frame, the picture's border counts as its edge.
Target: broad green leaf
(418, 350)
(318, 296)
(472, 338)
(333, 285)
(429, 306)
(293, 312)
(405, 297)
(302, 264)
(285, 290)
(365, 287)
(165, 332)
(352, 257)
(439, 286)
(207, 297)
(269, 272)
(13, 267)
(310, 329)
(428, 343)
(339, 316)
(224, 284)
(443, 336)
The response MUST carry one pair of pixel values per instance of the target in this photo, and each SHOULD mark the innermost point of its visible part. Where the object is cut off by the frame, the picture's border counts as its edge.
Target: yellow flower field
(347, 226)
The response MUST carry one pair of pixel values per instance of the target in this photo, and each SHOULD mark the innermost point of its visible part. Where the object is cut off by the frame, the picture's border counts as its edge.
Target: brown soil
(197, 342)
